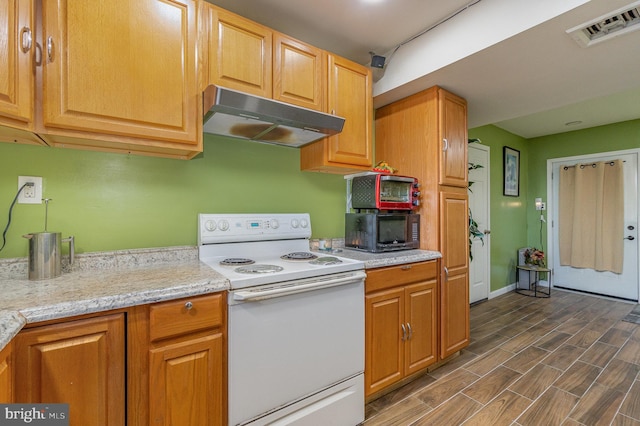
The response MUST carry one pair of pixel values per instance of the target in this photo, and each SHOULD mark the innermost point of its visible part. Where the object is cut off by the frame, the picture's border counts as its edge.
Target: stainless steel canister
(45, 254)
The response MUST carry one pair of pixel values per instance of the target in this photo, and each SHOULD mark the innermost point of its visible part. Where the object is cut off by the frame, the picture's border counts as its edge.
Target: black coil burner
(236, 261)
(299, 256)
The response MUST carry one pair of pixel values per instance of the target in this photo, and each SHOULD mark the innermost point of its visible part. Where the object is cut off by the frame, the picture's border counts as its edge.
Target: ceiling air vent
(605, 27)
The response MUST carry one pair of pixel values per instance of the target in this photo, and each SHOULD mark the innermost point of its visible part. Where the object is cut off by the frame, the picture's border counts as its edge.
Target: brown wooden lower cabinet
(6, 379)
(187, 362)
(167, 359)
(401, 319)
(79, 362)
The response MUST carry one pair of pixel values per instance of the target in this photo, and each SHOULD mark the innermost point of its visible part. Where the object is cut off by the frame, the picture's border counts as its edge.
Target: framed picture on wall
(511, 159)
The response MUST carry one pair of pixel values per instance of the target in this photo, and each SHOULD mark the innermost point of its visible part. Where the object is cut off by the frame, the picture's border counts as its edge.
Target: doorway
(622, 286)
(479, 196)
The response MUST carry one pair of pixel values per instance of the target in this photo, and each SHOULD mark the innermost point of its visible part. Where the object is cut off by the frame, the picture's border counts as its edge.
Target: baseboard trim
(501, 291)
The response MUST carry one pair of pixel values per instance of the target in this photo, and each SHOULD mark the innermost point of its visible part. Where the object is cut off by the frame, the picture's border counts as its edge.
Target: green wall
(514, 221)
(118, 201)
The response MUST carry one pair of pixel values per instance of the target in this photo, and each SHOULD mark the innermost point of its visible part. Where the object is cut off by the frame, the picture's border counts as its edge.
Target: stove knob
(304, 223)
(210, 225)
(294, 223)
(274, 223)
(223, 225)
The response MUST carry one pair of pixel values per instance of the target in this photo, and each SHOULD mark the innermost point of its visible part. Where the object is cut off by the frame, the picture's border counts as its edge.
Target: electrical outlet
(30, 194)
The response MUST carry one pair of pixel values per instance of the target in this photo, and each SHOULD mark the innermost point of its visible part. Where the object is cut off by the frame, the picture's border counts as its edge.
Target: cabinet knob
(50, 48)
(188, 305)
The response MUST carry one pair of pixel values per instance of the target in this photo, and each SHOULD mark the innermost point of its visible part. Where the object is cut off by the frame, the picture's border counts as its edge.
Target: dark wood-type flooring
(566, 360)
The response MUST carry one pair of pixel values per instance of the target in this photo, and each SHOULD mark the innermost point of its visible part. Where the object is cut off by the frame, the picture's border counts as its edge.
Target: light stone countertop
(391, 258)
(101, 282)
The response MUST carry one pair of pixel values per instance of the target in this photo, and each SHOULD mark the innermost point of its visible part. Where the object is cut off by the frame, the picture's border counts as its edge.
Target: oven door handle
(270, 293)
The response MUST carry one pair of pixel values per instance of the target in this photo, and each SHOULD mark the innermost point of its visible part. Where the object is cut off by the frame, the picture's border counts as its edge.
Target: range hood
(240, 115)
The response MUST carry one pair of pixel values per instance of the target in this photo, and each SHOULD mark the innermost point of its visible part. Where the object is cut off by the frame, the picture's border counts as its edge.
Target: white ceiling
(530, 83)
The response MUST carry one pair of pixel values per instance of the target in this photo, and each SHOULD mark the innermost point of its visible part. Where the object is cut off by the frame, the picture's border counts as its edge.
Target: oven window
(395, 192)
(392, 229)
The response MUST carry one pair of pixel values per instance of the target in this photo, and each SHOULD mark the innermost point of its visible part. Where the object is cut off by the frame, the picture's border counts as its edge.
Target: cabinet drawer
(186, 315)
(379, 279)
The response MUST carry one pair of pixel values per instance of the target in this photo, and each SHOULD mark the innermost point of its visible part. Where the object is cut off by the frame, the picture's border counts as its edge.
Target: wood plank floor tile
(536, 381)
(526, 359)
(563, 357)
(619, 375)
(630, 352)
(453, 412)
(550, 409)
(578, 378)
(615, 337)
(520, 342)
(487, 362)
(572, 326)
(401, 414)
(502, 411)
(599, 354)
(622, 420)
(485, 344)
(631, 405)
(598, 406)
(401, 393)
(584, 338)
(491, 385)
(552, 341)
(446, 387)
(457, 362)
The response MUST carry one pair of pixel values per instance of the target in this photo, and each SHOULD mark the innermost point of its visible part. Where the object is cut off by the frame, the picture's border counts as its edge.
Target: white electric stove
(296, 321)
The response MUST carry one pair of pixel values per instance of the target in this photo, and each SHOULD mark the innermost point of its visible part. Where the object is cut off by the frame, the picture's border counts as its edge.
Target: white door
(625, 285)
(479, 267)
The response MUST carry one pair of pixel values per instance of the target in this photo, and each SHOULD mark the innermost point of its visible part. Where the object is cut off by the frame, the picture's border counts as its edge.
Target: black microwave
(380, 232)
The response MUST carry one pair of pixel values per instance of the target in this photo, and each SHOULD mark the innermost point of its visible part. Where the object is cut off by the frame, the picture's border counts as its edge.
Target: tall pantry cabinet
(425, 136)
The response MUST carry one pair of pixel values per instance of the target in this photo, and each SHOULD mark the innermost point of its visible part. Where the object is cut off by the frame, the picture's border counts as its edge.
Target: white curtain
(591, 216)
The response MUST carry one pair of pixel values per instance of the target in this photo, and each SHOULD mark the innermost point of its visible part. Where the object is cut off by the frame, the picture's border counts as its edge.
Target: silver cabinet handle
(445, 146)
(188, 306)
(404, 332)
(410, 331)
(50, 48)
(25, 39)
(446, 274)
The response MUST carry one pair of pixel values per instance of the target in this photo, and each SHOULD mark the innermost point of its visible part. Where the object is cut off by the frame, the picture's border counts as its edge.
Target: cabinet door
(453, 136)
(6, 379)
(384, 349)
(81, 363)
(185, 383)
(454, 234)
(122, 68)
(299, 73)
(239, 53)
(421, 322)
(350, 96)
(16, 63)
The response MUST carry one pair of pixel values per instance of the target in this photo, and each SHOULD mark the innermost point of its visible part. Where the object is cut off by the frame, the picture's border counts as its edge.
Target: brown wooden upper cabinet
(349, 96)
(17, 79)
(246, 56)
(109, 76)
(453, 135)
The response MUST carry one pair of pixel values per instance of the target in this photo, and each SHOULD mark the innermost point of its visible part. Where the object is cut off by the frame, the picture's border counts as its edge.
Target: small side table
(533, 289)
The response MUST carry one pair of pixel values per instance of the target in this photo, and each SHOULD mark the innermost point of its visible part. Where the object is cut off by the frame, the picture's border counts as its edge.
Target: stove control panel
(225, 228)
